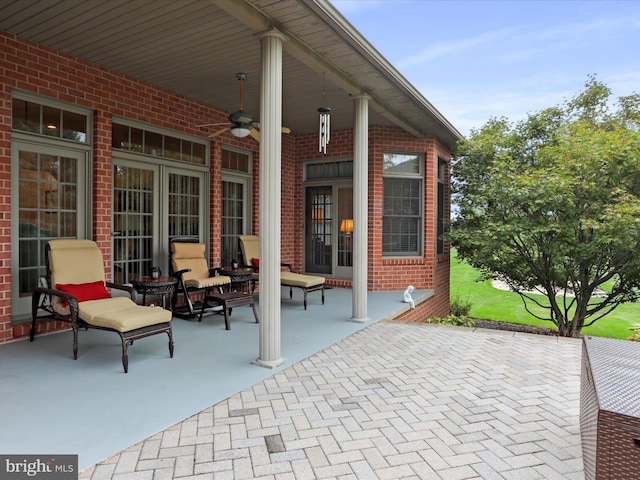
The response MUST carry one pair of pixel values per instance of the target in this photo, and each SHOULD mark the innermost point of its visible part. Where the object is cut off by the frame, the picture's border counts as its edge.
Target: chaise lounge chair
(250, 248)
(77, 294)
(190, 267)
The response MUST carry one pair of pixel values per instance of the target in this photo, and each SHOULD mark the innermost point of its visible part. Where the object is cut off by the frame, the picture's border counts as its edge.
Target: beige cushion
(191, 256)
(187, 250)
(121, 313)
(208, 282)
(291, 279)
(74, 261)
(250, 246)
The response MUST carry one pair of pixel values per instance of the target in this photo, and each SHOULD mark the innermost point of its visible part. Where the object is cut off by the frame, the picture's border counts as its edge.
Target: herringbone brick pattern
(392, 401)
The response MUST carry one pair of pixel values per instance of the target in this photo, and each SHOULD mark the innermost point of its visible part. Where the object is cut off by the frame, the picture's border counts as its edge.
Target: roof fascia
(258, 21)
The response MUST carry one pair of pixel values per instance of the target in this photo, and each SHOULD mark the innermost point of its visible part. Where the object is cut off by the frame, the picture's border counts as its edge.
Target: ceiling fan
(240, 123)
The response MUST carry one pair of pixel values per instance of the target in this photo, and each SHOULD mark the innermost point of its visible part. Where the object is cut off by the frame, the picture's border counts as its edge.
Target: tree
(552, 204)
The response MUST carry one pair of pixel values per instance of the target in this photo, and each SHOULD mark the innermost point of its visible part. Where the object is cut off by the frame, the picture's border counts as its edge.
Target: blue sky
(475, 59)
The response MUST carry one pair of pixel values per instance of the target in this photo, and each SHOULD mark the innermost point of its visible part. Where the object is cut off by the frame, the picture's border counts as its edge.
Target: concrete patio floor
(381, 400)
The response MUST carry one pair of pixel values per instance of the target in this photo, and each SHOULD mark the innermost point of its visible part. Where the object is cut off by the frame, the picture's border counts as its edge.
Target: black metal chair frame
(190, 309)
(39, 303)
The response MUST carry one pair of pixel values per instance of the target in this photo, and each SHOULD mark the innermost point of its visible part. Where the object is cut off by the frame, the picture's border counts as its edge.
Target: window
(325, 170)
(236, 161)
(50, 182)
(141, 140)
(236, 201)
(36, 117)
(402, 205)
(442, 170)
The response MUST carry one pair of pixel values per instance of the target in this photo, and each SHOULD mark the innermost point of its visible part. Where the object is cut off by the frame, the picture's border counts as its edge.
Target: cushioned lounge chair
(188, 263)
(77, 294)
(250, 248)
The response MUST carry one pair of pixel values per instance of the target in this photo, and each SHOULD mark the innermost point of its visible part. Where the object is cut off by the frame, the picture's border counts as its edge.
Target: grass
(489, 303)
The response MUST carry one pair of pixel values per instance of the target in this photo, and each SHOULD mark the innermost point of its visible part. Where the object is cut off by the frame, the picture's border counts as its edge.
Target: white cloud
(445, 49)
(518, 43)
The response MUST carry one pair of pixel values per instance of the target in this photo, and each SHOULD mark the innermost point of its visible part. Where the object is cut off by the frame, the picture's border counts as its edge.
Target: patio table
(163, 286)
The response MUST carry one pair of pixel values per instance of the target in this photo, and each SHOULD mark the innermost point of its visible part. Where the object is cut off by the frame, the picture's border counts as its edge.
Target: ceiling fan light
(240, 131)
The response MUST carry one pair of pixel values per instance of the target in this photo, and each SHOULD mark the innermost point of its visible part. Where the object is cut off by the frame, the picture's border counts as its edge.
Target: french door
(50, 185)
(235, 215)
(151, 204)
(136, 207)
(329, 230)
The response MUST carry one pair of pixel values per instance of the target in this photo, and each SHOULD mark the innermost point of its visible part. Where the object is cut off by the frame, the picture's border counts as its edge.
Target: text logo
(45, 467)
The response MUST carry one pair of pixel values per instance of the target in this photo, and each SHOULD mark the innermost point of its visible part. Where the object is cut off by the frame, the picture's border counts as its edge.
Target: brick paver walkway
(392, 401)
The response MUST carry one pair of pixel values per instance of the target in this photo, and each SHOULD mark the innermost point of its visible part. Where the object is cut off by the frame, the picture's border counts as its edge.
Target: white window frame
(418, 176)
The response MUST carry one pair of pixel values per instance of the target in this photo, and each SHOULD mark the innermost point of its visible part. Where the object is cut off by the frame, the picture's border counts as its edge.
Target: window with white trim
(403, 211)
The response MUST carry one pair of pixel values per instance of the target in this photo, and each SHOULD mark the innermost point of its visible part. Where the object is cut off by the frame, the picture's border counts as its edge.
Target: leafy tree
(552, 204)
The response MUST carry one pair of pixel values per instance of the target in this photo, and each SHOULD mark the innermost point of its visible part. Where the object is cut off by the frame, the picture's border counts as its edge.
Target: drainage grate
(274, 443)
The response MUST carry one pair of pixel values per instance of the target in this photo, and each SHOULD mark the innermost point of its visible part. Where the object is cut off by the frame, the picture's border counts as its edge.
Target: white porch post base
(360, 320)
(269, 363)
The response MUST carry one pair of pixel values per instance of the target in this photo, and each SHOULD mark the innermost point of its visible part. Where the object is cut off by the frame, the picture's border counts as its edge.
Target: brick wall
(27, 66)
(32, 68)
(430, 271)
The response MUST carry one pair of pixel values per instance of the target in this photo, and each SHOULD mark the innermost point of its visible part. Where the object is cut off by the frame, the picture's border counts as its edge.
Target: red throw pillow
(85, 291)
(256, 263)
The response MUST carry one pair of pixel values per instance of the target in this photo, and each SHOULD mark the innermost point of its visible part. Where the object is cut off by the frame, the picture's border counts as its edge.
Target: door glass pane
(184, 205)
(233, 207)
(133, 222)
(319, 229)
(345, 227)
(47, 208)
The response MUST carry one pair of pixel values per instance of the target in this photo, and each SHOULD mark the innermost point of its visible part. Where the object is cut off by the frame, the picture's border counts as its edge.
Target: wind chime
(325, 123)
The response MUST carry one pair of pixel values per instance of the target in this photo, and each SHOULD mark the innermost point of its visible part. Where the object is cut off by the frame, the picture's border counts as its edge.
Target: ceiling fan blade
(219, 132)
(255, 134)
(210, 125)
(284, 129)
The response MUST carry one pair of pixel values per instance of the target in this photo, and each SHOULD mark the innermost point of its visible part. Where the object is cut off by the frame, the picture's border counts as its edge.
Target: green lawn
(493, 304)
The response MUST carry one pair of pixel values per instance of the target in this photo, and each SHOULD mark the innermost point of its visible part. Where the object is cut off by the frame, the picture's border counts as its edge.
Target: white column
(270, 198)
(360, 207)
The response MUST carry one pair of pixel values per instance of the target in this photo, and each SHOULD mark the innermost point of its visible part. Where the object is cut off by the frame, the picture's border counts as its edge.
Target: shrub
(458, 307)
(635, 332)
(456, 320)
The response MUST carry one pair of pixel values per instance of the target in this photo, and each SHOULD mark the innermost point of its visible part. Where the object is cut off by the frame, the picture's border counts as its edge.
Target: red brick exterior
(32, 68)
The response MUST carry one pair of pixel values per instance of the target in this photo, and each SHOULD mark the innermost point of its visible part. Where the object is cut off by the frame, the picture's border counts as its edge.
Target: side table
(163, 286)
(609, 408)
(228, 300)
(240, 277)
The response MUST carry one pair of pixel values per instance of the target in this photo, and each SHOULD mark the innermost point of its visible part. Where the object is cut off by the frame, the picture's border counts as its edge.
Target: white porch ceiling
(195, 47)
